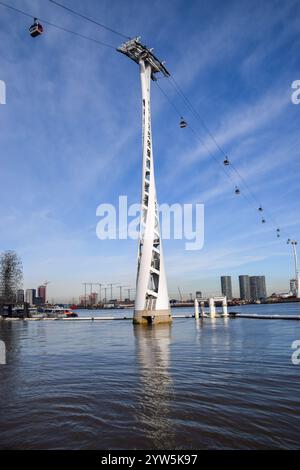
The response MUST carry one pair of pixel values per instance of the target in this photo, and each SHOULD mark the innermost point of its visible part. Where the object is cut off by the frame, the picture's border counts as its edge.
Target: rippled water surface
(95, 385)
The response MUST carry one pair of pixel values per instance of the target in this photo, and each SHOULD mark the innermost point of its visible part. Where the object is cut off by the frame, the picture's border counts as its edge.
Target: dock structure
(231, 315)
(212, 306)
(264, 317)
(83, 319)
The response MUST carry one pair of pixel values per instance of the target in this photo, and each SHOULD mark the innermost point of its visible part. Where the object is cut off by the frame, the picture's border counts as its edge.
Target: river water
(223, 383)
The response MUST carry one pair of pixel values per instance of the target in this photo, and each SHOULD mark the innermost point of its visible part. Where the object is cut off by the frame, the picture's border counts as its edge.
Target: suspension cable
(89, 19)
(254, 197)
(88, 38)
(222, 151)
(199, 138)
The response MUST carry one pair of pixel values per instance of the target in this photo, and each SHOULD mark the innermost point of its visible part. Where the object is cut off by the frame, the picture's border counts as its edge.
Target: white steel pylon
(294, 244)
(151, 302)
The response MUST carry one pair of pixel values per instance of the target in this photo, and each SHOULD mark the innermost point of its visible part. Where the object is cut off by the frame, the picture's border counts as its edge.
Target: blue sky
(70, 138)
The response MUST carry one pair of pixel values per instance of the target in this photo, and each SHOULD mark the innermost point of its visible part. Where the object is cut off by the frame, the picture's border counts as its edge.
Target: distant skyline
(70, 139)
(234, 283)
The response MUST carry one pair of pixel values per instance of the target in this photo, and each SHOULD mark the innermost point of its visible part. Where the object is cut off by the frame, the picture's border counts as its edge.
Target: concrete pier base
(151, 317)
(196, 304)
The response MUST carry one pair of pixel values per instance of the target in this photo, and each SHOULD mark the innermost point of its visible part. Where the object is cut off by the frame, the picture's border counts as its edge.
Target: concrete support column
(202, 303)
(212, 308)
(196, 303)
(224, 306)
(152, 301)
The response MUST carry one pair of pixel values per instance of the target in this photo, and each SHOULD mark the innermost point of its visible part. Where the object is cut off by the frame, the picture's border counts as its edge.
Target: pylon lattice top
(138, 52)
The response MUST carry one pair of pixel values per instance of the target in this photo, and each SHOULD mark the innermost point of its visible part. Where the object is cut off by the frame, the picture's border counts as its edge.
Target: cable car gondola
(182, 123)
(237, 191)
(226, 161)
(263, 221)
(260, 209)
(36, 29)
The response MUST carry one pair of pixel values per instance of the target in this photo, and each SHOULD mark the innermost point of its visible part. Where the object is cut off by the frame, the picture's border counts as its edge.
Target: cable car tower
(294, 244)
(151, 302)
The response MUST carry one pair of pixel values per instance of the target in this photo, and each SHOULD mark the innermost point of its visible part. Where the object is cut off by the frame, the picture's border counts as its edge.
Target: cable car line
(186, 99)
(196, 113)
(225, 165)
(224, 154)
(88, 38)
(226, 160)
(199, 138)
(89, 19)
(182, 122)
(190, 127)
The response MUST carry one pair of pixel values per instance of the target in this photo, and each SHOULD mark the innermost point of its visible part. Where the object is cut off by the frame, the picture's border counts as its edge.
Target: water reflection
(155, 383)
(199, 324)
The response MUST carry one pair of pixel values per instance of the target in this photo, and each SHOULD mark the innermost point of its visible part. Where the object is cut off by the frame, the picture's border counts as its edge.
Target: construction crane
(121, 287)
(111, 284)
(129, 290)
(100, 289)
(180, 294)
(85, 284)
(105, 293)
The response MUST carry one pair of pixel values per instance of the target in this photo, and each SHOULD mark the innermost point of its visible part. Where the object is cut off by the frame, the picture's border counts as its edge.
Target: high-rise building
(93, 298)
(244, 281)
(20, 296)
(38, 301)
(258, 287)
(42, 294)
(83, 300)
(30, 296)
(226, 286)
